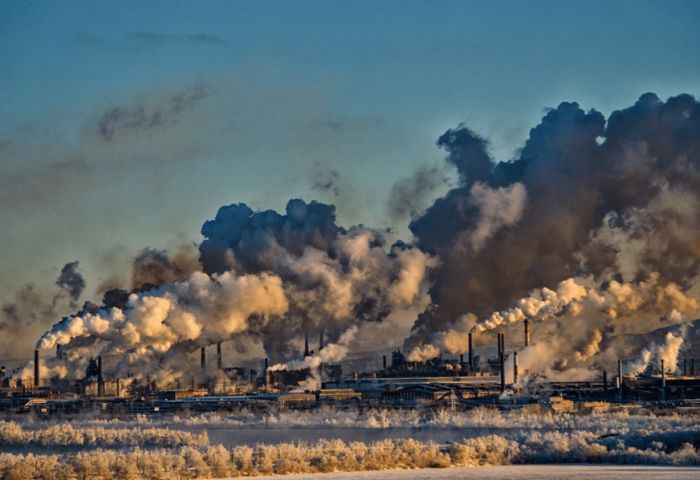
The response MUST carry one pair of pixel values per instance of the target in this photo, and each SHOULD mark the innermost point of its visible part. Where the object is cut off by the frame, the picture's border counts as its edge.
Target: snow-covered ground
(513, 472)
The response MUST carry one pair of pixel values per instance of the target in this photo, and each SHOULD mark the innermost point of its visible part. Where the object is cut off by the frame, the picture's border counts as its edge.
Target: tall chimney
(663, 381)
(36, 368)
(306, 345)
(461, 359)
(515, 368)
(605, 381)
(619, 379)
(100, 381)
(218, 355)
(266, 374)
(471, 354)
(203, 358)
(527, 332)
(498, 341)
(384, 362)
(502, 361)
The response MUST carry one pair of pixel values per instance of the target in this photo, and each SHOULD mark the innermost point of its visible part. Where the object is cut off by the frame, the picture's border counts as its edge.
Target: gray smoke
(71, 280)
(614, 198)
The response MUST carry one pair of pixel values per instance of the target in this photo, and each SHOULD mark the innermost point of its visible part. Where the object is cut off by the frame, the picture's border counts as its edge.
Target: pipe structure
(203, 358)
(384, 362)
(663, 381)
(471, 354)
(527, 332)
(619, 380)
(503, 343)
(307, 353)
(461, 359)
(219, 361)
(36, 368)
(515, 368)
(498, 343)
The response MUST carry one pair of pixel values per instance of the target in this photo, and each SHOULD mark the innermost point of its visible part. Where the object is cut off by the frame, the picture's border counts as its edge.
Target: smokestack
(461, 359)
(515, 368)
(605, 381)
(100, 381)
(384, 362)
(203, 358)
(527, 332)
(619, 379)
(306, 345)
(218, 355)
(36, 368)
(498, 341)
(663, 381)
(320, 341)
(471, 354)
(267, 374)
(502, 361)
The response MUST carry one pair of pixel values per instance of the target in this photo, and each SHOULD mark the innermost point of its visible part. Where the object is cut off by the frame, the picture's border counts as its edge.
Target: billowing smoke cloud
(267, 277)
(612, 200)
(591, 233)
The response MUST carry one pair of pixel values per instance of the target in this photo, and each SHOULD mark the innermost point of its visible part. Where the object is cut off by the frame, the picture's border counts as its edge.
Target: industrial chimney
(384, 361)
(663, 381)
(100, 380)
(306, 345)
(527, 332)
(515, 368)
(471, 354)
(203, 358)
(218, 355)
(36, 368)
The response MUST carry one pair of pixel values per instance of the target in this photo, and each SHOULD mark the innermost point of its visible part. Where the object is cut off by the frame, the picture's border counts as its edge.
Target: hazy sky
(127, 124)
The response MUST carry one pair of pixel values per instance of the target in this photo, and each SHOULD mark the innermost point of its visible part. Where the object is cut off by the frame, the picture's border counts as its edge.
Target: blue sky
(289, 93)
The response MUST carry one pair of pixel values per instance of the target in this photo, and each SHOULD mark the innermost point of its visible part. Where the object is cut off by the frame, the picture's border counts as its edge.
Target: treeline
(66, 435)
(336, 455)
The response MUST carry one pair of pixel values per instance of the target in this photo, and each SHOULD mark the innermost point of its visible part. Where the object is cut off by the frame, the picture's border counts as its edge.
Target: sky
(127, 124)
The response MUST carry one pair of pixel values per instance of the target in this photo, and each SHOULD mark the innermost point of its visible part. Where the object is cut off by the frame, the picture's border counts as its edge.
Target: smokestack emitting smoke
(203, 358)
(218, 355)
(590, 232)
(515, 368)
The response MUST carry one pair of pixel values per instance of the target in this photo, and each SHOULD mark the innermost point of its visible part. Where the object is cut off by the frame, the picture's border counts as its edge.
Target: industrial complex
(457, 382)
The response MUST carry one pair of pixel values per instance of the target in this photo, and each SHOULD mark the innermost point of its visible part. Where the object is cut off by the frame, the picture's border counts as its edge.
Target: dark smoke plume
(250, 241)
(590, 189)
(71, 280)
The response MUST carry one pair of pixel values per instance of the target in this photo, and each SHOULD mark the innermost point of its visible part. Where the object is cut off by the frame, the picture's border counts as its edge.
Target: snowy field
(514, 472)
(326, 441)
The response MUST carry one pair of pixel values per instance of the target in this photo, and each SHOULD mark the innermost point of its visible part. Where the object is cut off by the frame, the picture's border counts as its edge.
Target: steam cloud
(591, 232)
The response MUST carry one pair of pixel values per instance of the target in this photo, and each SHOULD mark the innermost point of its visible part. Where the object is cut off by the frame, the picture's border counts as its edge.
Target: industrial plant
(487, 379)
